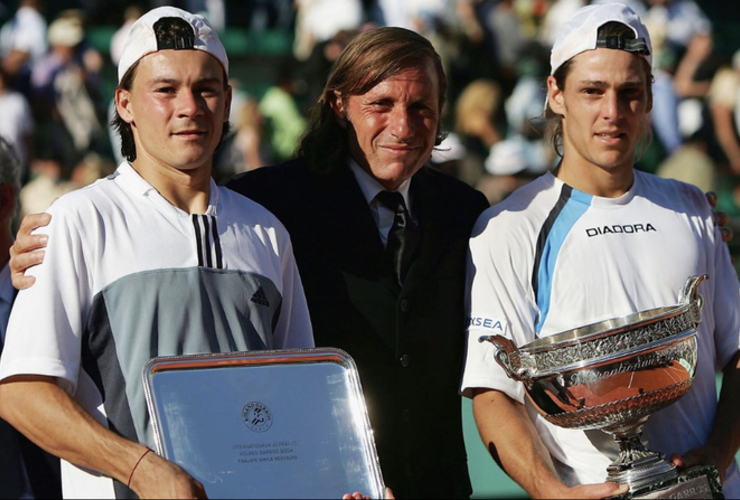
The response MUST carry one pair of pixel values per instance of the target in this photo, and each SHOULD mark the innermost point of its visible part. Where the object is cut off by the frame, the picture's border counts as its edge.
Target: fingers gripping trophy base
(701, 482)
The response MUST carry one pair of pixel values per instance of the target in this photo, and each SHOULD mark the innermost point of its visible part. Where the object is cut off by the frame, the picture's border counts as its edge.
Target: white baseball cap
(142, 39)
(579, 33)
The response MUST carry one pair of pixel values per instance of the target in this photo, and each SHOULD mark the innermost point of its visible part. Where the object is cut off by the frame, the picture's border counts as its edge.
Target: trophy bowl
(612, 376)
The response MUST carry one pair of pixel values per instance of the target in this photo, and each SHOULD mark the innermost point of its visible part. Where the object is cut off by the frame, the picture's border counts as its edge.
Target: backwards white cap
(142, 39)
(579, 33)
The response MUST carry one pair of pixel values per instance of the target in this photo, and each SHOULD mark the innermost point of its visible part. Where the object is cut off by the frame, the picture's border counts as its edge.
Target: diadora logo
(487, 323)
(260, 298)
(621, 229)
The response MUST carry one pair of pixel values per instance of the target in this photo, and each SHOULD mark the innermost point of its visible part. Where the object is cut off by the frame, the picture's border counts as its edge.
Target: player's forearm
(42, 411)
(512, 440)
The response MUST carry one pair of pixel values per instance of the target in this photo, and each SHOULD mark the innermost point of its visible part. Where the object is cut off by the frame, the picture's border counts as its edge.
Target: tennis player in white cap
(592, 240)
(155, 260)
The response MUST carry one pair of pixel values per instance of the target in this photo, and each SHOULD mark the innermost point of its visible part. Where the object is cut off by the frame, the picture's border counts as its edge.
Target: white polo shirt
(127, 276)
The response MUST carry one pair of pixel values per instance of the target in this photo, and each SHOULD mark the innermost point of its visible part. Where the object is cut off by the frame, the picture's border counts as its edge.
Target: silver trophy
(265, 424)
(612, 376)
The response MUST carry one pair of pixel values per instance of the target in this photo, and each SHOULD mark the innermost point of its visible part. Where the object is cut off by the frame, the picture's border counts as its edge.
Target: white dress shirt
(382, 215)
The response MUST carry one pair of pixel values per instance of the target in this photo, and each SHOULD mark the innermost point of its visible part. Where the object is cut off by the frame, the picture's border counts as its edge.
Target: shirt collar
(370, 187)
(140, 186)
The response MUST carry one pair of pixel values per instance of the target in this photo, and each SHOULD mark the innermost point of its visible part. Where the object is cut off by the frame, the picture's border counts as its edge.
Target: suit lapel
(358, 243)
(432, 216)
(356, 235)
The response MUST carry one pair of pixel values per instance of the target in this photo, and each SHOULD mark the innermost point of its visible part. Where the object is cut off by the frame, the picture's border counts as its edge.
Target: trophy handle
(516, 364)
(689, 295)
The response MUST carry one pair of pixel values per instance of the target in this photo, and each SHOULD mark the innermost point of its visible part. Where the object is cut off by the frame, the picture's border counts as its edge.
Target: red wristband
(136, 465)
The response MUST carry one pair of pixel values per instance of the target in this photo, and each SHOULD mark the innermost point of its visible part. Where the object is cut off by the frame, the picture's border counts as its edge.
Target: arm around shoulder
(27, 249)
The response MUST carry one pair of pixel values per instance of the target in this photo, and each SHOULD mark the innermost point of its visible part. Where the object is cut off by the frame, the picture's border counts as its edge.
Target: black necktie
(403, 237)
(42, 469)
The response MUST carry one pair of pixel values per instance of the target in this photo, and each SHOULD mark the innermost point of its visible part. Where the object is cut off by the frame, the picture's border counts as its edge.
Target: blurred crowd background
(58, 59)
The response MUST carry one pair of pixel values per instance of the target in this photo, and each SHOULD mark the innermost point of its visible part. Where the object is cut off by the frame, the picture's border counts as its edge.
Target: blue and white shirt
(550, 258)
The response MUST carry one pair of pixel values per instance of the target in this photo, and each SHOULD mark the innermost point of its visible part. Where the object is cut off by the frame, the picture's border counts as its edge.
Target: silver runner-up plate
(265, 424)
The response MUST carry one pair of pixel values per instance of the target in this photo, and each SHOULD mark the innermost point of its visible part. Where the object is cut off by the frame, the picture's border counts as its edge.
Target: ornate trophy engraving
(612, 376)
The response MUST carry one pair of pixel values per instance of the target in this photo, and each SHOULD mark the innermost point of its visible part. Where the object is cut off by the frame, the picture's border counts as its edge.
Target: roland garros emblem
(257, 416)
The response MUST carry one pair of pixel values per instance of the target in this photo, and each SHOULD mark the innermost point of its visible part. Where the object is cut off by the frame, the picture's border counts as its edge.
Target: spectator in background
(686, 77)
(690, 163)
(477, 54)
(509, 39)
(682, 79)
(558, 13)
(680, 111)
(249, 138)
(213, 10)
(724, 102)
(91, 168)
(118, 40)
(285, 123)
(678, 20)
(17, 124)
(433, 19)
(259, 15)
(65, 88)
(23, 43)
(318, 64)
(476, 113)
(522, 154)
(49, 181)
(246, 147)
(320, 20)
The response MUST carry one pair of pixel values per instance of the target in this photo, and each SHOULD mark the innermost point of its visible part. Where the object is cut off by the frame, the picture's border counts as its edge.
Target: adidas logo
(260, 298)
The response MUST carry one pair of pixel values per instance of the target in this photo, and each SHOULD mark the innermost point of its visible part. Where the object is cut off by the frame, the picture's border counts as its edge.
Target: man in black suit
(373, 130)
(25, 470)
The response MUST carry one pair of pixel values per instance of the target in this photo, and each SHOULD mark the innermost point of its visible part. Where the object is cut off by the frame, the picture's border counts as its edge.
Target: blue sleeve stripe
(570, 207)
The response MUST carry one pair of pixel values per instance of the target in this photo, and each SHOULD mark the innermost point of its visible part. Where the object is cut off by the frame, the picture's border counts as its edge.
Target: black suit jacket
(407, 342)
(42, 468)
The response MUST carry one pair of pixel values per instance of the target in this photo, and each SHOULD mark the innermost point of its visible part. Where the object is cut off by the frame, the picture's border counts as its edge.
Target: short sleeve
(498, 303)
(47, 320)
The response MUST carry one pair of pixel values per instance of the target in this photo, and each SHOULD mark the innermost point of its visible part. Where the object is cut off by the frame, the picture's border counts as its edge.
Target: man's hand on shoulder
(720, 218)
(27, 250)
